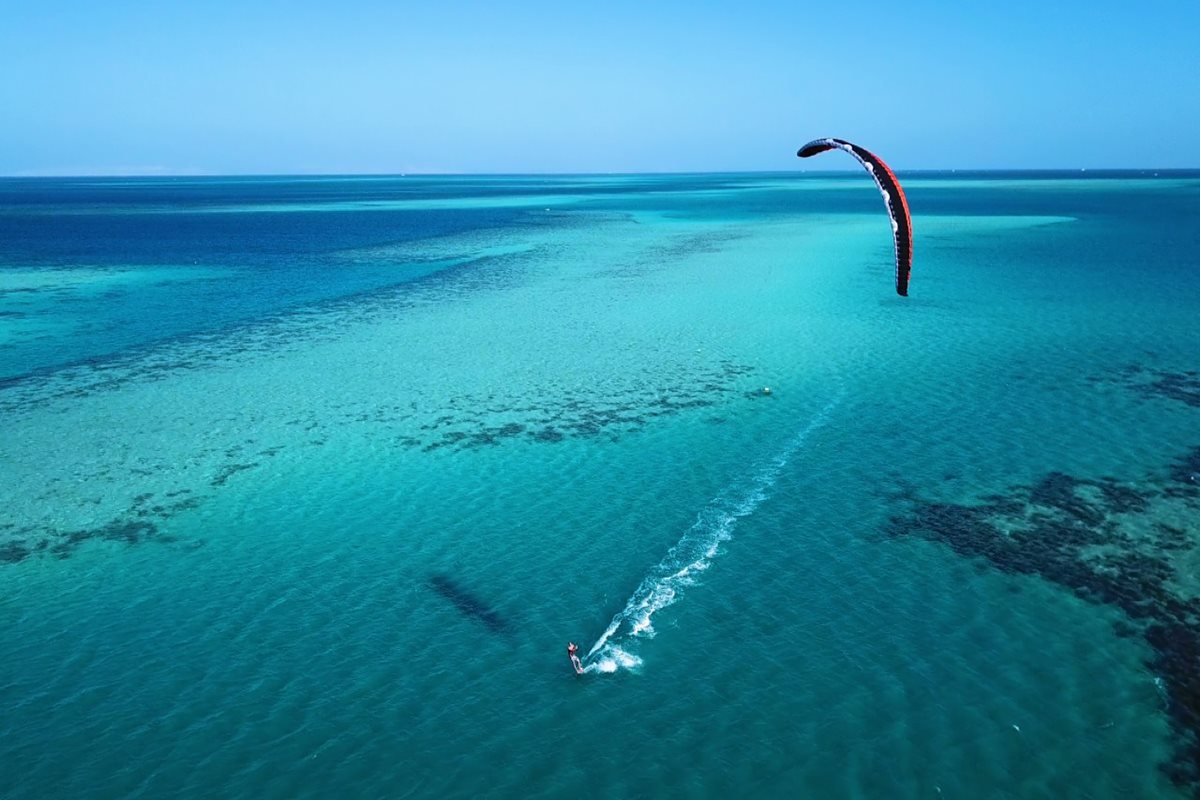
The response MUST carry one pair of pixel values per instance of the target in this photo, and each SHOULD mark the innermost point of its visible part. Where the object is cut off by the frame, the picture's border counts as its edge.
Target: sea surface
(306, 483)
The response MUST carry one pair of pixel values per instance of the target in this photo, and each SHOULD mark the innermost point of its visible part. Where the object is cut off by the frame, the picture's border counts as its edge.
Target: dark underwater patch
(157, 360)
(127, 531)
(1099, 539)
(139, 524)
(465, 422)
(228, 471)
(12, 552)
(469, 422)
(1181, 386)
(676, 248)
(467, 603)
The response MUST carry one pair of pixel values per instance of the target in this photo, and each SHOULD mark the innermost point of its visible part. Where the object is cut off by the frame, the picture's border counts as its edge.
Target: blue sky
(297, 87)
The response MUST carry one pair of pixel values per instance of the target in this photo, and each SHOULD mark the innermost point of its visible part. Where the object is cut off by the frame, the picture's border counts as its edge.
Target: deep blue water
(306, 482)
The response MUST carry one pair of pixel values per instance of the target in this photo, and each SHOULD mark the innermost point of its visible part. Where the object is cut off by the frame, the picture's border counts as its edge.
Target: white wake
(691, 555)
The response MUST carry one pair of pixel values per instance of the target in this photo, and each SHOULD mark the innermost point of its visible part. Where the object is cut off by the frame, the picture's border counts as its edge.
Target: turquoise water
(307, 483)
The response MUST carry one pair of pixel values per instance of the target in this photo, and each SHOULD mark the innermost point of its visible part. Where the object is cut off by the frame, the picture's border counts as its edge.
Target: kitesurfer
(573, 654)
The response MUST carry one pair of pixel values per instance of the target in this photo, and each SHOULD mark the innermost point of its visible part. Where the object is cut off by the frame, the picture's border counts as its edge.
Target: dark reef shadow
(1105, 541)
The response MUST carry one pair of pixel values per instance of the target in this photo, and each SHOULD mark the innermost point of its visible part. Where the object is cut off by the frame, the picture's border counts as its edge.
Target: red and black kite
(893, 195)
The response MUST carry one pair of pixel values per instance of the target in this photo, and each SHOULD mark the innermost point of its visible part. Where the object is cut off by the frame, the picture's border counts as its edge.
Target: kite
(893, 195)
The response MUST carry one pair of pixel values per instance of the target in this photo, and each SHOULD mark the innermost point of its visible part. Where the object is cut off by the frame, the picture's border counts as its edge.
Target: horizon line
(35, 175)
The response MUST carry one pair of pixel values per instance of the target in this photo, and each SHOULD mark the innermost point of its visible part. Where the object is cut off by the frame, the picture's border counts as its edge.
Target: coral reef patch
(1132, 545)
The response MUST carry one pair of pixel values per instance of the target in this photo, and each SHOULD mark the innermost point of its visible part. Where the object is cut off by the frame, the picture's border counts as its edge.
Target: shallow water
(246, 452)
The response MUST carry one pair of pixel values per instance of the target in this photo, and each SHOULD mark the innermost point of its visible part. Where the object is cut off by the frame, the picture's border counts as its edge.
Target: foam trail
(691, 555)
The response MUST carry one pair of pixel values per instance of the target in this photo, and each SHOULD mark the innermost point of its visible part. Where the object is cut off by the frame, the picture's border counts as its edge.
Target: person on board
(573, 654)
